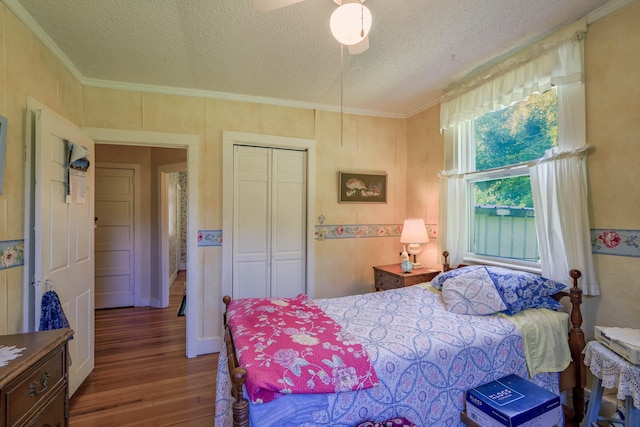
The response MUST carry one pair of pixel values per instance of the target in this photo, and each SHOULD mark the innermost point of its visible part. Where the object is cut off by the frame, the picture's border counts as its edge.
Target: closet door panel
(288, 223)
(252, 222)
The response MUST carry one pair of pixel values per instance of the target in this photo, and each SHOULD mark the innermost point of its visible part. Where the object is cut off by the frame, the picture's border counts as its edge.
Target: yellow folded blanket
(544, 334)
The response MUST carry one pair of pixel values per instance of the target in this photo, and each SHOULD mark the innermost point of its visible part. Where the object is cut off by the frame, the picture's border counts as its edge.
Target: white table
(612, 371)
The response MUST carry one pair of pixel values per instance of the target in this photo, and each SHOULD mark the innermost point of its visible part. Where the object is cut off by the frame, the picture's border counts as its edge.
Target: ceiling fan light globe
(350, 23)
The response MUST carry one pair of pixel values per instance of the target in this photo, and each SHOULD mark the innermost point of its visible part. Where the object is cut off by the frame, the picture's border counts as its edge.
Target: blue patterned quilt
(425, 358)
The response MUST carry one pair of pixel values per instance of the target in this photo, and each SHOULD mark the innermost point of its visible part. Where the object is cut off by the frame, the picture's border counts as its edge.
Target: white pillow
(472, 293)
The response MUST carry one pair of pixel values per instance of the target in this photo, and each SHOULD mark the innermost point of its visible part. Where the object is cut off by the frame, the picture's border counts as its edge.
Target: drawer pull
(33, 388)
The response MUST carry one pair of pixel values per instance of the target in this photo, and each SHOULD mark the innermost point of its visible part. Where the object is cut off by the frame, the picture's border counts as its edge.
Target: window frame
(470, 256)
(473, 176)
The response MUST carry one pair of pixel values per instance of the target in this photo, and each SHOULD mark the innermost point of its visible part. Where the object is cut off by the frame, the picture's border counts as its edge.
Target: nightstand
(611, 371)
(391, 276)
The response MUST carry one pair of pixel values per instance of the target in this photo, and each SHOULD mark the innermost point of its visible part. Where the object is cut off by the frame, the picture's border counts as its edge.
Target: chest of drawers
(34, 386)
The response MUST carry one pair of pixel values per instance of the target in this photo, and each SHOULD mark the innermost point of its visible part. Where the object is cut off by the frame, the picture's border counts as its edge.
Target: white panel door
(114, 271)
(64, 239)
(251, 225)
(269, 223)
(288, 223)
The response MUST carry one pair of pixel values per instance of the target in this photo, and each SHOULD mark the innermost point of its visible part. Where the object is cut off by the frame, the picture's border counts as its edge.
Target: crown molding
(199, 93)
(431, 103)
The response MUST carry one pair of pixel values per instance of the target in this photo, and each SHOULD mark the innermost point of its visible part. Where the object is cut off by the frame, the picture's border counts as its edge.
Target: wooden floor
(142, 376)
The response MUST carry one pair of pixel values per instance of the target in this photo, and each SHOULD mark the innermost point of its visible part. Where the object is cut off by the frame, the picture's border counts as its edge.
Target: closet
(269, 222)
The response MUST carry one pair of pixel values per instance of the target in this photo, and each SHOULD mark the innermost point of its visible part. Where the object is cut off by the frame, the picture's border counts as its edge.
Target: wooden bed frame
(572, 379)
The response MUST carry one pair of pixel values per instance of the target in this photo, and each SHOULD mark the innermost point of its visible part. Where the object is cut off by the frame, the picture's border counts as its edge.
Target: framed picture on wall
(3, 147)
(362, 187)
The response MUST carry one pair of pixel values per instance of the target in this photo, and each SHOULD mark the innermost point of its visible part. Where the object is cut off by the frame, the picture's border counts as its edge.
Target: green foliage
(509, 192)
(512, 135)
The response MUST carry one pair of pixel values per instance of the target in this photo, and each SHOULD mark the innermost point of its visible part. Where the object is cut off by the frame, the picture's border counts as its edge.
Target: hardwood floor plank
(142, 376)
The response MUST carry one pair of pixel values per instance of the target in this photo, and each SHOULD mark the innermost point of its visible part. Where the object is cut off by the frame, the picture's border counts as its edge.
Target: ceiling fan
(350, 23)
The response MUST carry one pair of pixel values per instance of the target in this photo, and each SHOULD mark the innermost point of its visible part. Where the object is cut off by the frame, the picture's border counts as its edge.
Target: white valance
(555, 60)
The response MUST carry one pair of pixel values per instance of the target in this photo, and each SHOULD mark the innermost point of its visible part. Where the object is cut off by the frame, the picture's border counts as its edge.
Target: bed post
(445, 264)
(238, 375)
(241, 405)
(577, 345)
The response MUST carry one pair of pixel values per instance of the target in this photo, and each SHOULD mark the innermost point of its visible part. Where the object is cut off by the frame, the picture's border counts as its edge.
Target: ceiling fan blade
(357, 48)
(269, 5)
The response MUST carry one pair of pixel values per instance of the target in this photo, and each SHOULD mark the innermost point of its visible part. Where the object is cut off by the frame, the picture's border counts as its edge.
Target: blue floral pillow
(521, 290)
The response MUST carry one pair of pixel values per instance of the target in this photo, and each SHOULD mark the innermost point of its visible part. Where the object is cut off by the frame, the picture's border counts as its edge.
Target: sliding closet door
(269, 222)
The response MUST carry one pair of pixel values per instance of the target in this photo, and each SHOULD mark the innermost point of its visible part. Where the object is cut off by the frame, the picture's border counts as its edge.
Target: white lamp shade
(414, 231)
(350, 23)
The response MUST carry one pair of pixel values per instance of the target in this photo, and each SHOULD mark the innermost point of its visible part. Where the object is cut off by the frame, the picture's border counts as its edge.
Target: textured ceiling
(288, 56)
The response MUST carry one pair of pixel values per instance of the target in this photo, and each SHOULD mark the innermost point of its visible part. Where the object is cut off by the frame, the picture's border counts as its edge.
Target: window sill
(531, 267)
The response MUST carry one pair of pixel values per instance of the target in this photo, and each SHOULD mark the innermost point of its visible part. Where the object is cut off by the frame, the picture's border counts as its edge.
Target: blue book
(512, 401)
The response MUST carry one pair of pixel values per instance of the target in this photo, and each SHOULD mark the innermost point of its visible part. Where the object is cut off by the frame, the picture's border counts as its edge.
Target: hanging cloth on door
(77, 173)
(52, 316)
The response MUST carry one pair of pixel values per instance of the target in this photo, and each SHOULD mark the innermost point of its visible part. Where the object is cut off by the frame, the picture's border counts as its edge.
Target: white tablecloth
(614, 371)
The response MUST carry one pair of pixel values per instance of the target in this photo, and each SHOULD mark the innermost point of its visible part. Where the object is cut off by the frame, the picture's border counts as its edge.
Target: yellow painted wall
(613, 127)
(27, 68)
(343, 266)
(426, 147)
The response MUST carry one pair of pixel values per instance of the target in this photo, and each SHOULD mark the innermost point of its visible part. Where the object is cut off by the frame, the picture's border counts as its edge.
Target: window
(490, 153)
(501, 220)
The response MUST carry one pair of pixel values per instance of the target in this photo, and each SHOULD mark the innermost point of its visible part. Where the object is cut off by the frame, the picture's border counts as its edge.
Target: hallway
(142, 376)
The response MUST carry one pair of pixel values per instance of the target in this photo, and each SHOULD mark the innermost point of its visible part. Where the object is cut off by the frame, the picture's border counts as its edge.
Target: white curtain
(560, 197)
(453, 192)
(556, 60)
(453, 205)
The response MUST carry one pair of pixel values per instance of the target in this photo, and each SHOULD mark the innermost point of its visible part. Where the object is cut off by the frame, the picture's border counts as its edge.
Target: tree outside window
(501, 200)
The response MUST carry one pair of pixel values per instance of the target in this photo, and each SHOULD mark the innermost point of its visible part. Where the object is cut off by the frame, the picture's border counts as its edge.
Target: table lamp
(414, 234)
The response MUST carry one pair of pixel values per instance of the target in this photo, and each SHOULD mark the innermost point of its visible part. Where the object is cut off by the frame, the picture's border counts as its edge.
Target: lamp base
(415, 249)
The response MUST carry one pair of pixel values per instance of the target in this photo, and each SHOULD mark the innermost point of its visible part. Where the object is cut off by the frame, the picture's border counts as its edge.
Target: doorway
(172, 226)
(137, 224)
(140, 139)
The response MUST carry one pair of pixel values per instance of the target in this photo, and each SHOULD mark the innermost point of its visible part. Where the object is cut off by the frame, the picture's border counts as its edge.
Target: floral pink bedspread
(289, 345)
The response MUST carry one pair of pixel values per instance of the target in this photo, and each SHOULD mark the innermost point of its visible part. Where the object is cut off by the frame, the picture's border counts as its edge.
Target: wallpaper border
(11, 254)
(604, 241)
(209, 238)
(618, 242)
(351, 231)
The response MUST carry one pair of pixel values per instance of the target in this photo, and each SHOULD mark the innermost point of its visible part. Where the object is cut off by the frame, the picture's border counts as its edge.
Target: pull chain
(341, 94)
(361, 19)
